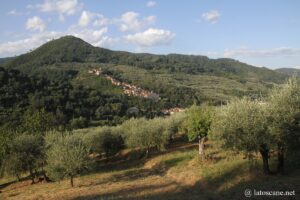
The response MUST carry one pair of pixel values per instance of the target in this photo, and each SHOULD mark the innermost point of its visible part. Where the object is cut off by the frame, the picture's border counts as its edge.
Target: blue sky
(258, 32)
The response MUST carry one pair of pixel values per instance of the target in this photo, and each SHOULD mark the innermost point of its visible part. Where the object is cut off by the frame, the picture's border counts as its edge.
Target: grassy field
(176, 173)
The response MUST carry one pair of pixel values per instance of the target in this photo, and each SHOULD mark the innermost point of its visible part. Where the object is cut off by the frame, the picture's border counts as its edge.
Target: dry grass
(174, 174)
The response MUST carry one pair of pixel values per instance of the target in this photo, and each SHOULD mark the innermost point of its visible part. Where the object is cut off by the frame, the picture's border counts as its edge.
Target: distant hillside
(72, 49)
(3, 60)
(289, 71)
(180, 80)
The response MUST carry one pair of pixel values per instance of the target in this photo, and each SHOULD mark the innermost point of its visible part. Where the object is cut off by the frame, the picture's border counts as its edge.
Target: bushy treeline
(55, 155)
(142, 133)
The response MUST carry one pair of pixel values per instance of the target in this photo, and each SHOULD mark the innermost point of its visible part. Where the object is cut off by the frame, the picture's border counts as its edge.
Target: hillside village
(133, 90)
(128, 89)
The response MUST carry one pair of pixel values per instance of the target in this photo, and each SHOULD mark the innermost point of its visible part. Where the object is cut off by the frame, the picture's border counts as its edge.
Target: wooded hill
(58, 80)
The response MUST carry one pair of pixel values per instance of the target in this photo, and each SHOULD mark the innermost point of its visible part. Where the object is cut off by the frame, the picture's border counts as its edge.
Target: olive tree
(283, 115)
(242, 126)
(103, 140)
(172, 124)
(24, 153)
(144, 134)
(198, 123)
(67, 156)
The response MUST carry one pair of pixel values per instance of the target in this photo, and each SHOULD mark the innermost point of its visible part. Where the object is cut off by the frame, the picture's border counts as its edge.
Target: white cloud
(151, 4)
(62, 7)
(35, 23)
(92, 36)
(151, 37)
(21, 46)
(101, 20)
(296, 67)
(68, 7)
(14, 12)
(281, 51)
(96, 37)
(129, 21)
(85, 18)
(211, 16)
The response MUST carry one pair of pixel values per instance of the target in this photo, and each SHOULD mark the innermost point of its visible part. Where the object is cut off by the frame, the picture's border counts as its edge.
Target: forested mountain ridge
(289, 71)
(72, 49)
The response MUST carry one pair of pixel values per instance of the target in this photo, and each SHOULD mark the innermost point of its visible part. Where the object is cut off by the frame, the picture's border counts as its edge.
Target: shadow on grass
(218, 186)
(136, 159)
(127, 193)
(4, 185)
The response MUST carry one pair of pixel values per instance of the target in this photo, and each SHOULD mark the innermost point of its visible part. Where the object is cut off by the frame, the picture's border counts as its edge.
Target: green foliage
(284, 111)
(80, 122)
(37, 121)
(144, 134)
(153, 133)
(198, 121)
(24, 98)
(5, 140)
(24, 154)
(242, 125)
(67, 156)
(103, 140)
(172, 124)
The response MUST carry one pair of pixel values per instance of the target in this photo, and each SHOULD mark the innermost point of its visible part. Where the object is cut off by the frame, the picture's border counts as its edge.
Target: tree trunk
(280, 156)
(31, 176)
(36, 174)
(71, 181)
(147, 152)
(264, 151)
(201, 147)
(18, 177)
(46, 178)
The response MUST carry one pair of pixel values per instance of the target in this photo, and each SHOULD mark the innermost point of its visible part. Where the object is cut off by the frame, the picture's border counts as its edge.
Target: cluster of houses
(171, 111)
(95, 71)
(132, 90)
(128, 89)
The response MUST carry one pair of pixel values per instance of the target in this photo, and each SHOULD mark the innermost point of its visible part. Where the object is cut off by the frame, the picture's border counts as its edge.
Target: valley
(83, 122)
